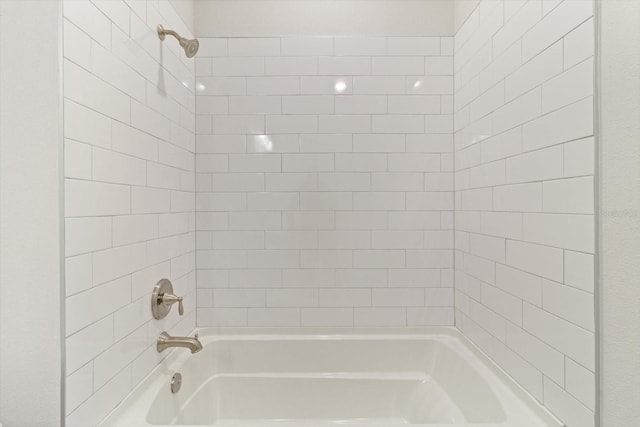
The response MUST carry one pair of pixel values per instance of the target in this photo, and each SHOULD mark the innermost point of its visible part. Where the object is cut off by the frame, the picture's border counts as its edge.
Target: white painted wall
(30, 207)
(619, 67)
(260, 18)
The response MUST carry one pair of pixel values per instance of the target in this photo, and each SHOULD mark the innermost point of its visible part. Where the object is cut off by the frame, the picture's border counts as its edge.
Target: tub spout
(166, 341)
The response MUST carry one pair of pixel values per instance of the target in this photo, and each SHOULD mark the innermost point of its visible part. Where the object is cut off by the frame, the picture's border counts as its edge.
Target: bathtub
(322, 377)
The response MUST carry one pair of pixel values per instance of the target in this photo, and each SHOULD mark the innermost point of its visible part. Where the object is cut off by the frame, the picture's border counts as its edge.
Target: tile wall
(129, 123)
(524, 196)
(324, 178)
(315, 187)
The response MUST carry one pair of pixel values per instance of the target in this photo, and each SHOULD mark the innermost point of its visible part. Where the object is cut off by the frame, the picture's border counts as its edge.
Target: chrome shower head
(190, 46)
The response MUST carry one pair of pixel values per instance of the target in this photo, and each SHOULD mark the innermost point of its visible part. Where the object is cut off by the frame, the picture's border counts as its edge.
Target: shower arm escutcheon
(163, 298)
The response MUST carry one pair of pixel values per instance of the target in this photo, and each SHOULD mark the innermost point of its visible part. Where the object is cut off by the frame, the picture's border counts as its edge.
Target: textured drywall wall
(260, 18)
(30, 303)
(620, 212)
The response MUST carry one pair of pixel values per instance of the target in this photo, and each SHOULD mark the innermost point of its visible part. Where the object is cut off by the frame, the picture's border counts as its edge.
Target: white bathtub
(320, 377)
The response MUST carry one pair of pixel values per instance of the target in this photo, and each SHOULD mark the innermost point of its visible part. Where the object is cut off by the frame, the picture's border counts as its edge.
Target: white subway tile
(254, 278)
(379, 258)
(108, 364)
(398, 297)
(516, 282)
(581, 383)
(518, 111)
(579, 270)
(361, 220)
(570, 410)
(430, 316)
(414, 104)
(88, 343)
(424, 46)
(307, 104)
(79, 386)
(535, 166)
(378, 143)
(344, 240)
(572, 122)
(277, 201)
(344, 181)
(273, 143)
(345, 297)
(274, 317)
(77, 45)
(230, 298)
(238, 239)
(291, 181)
(102, 97)
(254, 163)
(578, 44)
(262, 46)
(314, 278)
(391, 66)
(272, 86)
(575, 195)
(540, 260)
(574, 232)
(327, 317)
(292, 298)
(79, 273)
(131, 141)
(309, 220)
(84, 235)
(360, 104)
(291, 239)
(292, 124)
(379, 85)
(360, 46)
(344, 65)
(331, 201)
(569, 303)
(361, 278)
(247, 66)
(87, 198)
(250, 124)
(227, 85)
(439, 66)
(222, 316)
(291, 66)
(89, 19)
(306, 46)
(322, 85)
(380, 317)
(555, 25)
(253, 105)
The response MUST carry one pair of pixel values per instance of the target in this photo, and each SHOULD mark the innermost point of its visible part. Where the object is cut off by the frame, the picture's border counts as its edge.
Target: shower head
(190, 46)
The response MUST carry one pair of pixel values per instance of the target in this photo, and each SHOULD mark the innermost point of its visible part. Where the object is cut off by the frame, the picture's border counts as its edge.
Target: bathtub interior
(337, 379)
(428, 376)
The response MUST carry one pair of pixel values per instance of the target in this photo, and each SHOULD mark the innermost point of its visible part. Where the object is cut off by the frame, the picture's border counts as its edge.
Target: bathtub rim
(450, 333)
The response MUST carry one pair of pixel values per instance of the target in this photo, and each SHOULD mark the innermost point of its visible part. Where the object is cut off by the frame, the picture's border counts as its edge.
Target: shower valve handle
(169, 299)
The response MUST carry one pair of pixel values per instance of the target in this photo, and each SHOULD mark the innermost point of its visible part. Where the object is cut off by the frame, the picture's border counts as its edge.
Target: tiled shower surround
(129, 118)
(313, 181)
(324, 178)
(524, 161)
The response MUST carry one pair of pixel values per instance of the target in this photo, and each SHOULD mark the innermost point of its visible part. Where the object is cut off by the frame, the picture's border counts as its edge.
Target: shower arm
(190, 46)
(162, 32)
